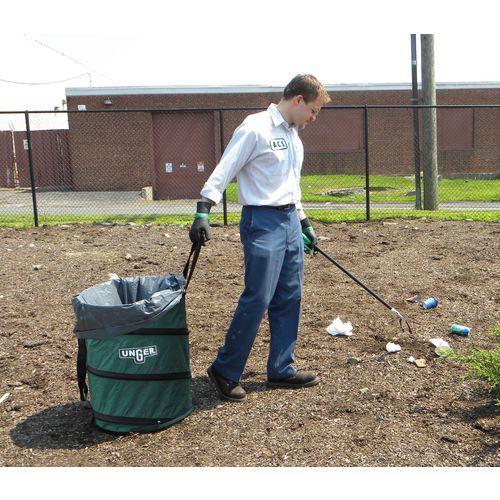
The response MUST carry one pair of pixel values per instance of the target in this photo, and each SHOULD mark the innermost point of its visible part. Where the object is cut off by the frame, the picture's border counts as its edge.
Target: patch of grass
(496, 329)
(314, 188)
(360, 215)
(484, 365)
(26, 221)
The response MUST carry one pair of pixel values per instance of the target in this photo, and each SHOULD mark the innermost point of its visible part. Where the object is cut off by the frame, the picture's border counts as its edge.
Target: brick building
(174, 139)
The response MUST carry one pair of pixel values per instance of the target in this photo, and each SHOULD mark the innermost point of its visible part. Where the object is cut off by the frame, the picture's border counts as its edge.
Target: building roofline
(252, 89)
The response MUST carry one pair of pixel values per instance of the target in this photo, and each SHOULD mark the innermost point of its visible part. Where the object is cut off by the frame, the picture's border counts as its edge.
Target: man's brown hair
(308, 86)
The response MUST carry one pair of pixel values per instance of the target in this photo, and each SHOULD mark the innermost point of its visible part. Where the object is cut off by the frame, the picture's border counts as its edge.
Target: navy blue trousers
(274, 274)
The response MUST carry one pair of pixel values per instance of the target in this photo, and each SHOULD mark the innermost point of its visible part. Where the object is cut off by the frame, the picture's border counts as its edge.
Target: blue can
(460, 329)
(430, 303)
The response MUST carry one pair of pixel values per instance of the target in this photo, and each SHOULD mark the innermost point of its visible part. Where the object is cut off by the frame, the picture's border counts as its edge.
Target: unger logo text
(138, 354)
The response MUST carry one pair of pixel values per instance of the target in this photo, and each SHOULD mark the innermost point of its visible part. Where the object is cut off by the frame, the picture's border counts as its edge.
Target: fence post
(367, 164)
(32, 171)
(416, 125)
(224, 197)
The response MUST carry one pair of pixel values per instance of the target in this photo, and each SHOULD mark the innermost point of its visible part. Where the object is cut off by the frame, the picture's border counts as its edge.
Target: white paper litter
(443, 349)
(440, 343)
(4, 397)
(391, 347)
(339, 328)
(411, 359)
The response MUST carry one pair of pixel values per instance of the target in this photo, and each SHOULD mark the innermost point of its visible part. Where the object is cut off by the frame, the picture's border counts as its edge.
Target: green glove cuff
(197, 215)
(307, 243)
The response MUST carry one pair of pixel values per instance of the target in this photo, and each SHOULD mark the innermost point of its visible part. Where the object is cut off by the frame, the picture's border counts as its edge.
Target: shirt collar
(277, 117)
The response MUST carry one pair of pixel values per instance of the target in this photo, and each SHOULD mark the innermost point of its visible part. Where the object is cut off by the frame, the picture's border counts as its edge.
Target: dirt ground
(372, 408)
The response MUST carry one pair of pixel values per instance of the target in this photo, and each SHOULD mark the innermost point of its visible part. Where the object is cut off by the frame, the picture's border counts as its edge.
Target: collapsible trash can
(133, 348)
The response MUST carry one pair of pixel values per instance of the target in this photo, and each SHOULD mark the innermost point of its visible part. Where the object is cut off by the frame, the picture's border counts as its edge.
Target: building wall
(116, 150)
(111, 151)
(50, 155)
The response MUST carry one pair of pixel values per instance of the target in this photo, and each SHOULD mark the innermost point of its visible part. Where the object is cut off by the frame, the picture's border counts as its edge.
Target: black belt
(284, 208)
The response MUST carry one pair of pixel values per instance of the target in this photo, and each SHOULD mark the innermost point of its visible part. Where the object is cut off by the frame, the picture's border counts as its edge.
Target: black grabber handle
(371, 292)
(190, 265)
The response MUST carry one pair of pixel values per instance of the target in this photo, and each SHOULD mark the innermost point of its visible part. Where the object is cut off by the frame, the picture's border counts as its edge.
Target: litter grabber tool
(402, 319)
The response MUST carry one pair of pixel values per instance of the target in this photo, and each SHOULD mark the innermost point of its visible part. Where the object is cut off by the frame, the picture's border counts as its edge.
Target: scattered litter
(364, 390)
(440, 343)
(167, 235)
(443, 349)
(37, 267)
(4, 397)
(415, 298)
(339, 328)
(430, 303)
(420, 363)
(411, 359)
(113, 276)
(391, 347)
(128, 256)
(460, 330)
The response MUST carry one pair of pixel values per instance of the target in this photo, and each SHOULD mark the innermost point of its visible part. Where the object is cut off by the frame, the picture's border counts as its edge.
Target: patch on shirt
(278, 144)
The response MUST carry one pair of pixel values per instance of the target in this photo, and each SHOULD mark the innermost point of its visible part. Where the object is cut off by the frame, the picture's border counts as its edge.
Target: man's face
(305, 112)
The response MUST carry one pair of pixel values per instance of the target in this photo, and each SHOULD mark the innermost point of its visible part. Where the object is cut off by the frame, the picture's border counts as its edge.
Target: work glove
(308, 235)
(200, 228)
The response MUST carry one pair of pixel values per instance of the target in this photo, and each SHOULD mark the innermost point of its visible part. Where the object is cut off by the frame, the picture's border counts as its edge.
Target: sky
(193, 42)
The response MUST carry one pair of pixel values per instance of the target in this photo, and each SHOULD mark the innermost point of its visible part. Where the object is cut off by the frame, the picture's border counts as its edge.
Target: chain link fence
(360, 162)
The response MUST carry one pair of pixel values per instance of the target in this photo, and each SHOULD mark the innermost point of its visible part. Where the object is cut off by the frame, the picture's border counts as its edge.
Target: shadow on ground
(70, 426)
(484, 417)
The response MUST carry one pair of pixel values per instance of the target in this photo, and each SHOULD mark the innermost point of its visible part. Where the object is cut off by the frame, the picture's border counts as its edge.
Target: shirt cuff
(211, 193)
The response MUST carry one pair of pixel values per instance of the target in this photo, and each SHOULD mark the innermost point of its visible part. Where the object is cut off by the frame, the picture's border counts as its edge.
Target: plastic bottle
(460, 330)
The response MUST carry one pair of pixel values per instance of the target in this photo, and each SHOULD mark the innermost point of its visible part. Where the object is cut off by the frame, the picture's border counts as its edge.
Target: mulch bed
(372, 408)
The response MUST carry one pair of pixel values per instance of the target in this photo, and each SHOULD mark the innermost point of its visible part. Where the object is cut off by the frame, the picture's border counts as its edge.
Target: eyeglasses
(314, 111)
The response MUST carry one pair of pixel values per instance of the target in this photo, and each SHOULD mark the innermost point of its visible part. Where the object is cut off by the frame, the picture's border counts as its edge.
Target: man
(266, 154)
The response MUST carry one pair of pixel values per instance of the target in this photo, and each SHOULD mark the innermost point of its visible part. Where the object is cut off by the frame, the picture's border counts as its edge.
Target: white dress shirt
(265, 154)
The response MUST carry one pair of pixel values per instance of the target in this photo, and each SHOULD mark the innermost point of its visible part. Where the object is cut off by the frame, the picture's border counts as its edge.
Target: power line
(69, 57)
(47, 83)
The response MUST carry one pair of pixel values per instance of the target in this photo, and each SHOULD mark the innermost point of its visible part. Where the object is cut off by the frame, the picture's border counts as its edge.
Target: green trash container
(133, 348)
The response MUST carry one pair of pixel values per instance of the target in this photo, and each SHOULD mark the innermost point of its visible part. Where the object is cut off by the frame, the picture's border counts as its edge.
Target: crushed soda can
(430, 303)
(460, 330)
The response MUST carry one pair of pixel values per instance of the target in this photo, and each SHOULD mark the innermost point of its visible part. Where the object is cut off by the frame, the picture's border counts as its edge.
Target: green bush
(482, 364)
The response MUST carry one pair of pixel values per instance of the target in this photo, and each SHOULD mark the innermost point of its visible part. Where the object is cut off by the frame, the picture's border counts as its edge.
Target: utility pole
(430, 166)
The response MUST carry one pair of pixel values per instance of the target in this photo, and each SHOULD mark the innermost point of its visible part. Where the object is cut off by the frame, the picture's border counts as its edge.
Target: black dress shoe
(226, 389)
(300, 379)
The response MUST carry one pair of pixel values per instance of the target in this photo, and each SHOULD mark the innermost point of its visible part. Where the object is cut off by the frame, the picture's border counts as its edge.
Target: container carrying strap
(189, 267)
(81, 369)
